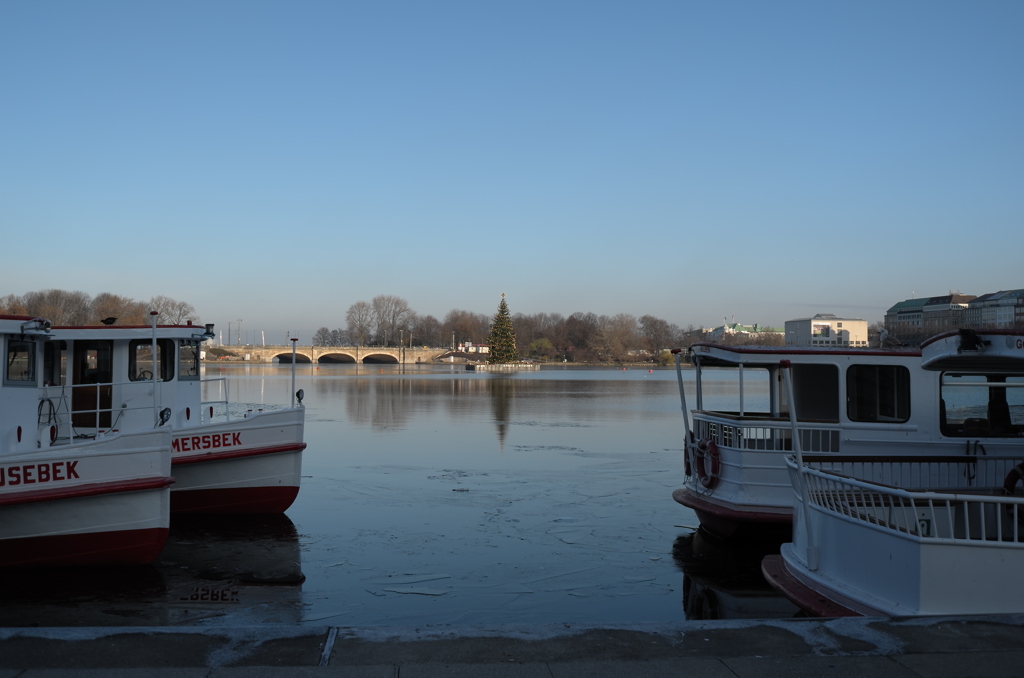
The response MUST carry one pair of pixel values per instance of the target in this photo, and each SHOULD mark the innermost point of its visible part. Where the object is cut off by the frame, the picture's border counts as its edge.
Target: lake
(432, 495)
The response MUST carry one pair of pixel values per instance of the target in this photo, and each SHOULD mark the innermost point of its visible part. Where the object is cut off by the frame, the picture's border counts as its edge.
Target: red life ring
(707, 449)
(1012, 478)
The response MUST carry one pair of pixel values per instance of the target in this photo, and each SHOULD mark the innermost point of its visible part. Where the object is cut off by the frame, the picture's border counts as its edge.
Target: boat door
(92, 364)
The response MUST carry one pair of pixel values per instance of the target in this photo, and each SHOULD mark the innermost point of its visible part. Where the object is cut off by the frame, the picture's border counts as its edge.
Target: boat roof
(24, 324)
(128, 331)
(715, 354)
(975, 350)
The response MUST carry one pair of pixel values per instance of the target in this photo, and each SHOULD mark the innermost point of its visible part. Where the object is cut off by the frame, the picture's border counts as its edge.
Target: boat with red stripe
(91, 499)
(224, 460)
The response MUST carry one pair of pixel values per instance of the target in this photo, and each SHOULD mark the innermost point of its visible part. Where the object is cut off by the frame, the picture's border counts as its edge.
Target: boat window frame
(196, 346)
(981, 427)
(899, 370)
(166, 352)
(33, 370)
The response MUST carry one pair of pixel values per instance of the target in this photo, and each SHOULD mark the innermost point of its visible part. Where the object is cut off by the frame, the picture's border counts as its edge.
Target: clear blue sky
(278, 161)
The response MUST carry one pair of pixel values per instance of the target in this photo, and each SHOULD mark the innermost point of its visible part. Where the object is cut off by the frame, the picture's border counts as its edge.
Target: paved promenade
(934, 648)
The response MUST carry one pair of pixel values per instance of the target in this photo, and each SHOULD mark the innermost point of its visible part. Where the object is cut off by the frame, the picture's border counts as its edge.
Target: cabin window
(188, 360)
(878, 393)
(20, 369)
(981, 405)
(816, 391)
(55, 363)
(140, 359)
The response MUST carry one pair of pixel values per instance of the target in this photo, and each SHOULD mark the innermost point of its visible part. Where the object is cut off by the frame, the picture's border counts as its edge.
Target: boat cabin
(23, 339)
(856, 400)
(99, 379)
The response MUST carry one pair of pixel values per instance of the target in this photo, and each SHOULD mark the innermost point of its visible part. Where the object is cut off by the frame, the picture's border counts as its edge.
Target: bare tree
(390, 314)
(126, 311)
(657, 333)
(359, 320)
(172, 311)
(12, 304)
(426, 331)
(59, 306)
(615, 337)
(322, 337)
(466, 325)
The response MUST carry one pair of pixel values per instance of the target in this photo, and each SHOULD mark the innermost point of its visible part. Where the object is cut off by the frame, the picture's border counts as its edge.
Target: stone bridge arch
(286, 358)
(336, 354)
(337, 357)
(379, 358)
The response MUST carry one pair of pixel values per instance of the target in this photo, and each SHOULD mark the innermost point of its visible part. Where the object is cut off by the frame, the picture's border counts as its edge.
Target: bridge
(335, 354)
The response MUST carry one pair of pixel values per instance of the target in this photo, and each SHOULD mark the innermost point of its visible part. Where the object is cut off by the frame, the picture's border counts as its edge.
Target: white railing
(58, 407)
(760, 434)
(206, 406)
(959, 499)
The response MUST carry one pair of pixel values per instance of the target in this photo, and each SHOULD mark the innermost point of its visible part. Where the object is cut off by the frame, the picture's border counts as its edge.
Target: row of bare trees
(388, 320)
(67, 308)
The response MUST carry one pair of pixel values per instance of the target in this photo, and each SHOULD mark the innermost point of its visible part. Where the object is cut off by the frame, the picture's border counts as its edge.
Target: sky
(278, 161)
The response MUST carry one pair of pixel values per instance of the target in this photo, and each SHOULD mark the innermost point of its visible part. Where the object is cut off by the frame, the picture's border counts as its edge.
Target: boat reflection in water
(722, 578)
(233, 565)
(231, 569)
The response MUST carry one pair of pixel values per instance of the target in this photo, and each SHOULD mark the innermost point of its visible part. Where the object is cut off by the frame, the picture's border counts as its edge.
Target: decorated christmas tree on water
(502, 338)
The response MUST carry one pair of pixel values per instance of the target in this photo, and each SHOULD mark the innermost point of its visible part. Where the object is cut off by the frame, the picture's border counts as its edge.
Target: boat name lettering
(190, 443)
(29, 474)
(1020, 343)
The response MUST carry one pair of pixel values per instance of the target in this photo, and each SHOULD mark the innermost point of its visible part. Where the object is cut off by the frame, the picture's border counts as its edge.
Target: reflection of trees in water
(391, 401)
(502, 390)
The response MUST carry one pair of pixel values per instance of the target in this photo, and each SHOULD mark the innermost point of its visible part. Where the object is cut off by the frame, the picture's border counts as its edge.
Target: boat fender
(707, 451)
(1012, 478)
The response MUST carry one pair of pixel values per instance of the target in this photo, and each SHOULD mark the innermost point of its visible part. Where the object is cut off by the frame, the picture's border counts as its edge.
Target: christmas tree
(502, 338)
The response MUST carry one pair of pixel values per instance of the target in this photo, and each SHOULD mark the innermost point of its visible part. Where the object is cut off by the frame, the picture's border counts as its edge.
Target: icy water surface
(434, 496)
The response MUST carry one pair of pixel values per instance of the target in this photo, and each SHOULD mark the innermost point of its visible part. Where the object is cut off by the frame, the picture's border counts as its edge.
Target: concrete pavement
(932, 648)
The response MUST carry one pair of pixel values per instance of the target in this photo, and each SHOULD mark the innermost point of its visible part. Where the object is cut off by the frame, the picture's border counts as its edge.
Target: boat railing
(70, 413)
(764, 434)
(927, 499)
(206, 407)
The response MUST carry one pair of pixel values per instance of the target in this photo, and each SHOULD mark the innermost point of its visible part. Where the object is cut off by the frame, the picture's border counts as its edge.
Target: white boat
(223, 461)
(97, 499)
(918, 535)
(849, 401)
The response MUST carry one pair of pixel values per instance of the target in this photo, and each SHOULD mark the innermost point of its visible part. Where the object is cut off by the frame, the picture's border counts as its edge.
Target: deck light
(300, 394)
(165, 416)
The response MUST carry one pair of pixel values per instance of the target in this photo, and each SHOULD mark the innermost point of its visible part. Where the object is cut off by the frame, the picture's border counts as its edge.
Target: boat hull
(252, 465)
(102, 502)
(116, 547)
(725, 519)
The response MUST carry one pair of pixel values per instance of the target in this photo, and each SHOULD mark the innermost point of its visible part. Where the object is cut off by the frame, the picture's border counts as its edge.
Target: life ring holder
(707, 450)
(1012, 478)
(1015, 475)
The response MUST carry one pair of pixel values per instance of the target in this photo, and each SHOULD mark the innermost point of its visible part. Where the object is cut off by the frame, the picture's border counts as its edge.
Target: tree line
(388, 320)
(67, 308)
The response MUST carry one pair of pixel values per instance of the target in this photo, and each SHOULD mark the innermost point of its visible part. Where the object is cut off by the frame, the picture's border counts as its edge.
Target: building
(729, 329)
(825, 329)
(470, 347)
(996, 309)
(914, 320)
(928, 316)
(906, 317)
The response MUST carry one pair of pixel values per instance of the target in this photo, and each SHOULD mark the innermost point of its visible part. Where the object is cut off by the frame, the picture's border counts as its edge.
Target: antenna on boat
(682, 402)
(812, 550)
(156, 405)
(294, 340)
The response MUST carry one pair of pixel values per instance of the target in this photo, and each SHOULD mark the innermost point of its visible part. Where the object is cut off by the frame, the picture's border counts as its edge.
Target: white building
(825, 329)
